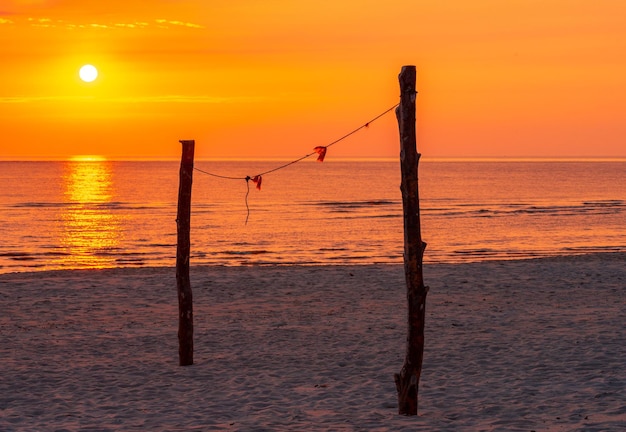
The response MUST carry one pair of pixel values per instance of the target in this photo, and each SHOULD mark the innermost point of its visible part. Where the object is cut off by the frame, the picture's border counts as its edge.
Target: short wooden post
(183, 284)
(407, 381)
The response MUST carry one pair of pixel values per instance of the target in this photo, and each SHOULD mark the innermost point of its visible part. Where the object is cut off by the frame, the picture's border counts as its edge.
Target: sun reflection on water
(92, 230)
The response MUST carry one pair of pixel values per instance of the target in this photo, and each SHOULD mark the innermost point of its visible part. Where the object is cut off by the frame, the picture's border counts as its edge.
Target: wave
(489, 254)
(377, 209)
(110, 205)
(605, 207)
(352, 205)
(250, 252)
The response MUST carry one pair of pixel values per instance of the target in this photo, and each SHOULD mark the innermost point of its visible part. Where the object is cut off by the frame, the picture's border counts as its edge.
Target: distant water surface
(94, 214)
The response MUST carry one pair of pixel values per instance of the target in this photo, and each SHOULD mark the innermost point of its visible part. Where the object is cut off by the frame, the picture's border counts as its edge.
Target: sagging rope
(319, 150)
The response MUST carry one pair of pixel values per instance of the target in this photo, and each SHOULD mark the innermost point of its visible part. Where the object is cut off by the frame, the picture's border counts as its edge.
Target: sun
(88, 73)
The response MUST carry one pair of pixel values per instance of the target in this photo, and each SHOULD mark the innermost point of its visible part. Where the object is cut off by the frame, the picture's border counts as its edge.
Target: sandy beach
(531, 345)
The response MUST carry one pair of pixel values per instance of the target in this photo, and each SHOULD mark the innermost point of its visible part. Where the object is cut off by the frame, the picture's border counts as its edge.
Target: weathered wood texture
(407, 381)
(183, 284)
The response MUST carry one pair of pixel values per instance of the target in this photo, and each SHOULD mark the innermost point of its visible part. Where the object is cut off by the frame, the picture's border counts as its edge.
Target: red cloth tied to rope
(257, 180)
(321, 151)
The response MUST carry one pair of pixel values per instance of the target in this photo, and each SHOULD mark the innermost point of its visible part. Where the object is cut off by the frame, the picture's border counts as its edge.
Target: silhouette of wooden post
(183, 284)
(407, 381)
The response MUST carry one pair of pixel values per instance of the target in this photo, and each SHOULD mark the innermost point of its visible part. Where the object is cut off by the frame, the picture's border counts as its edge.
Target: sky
(276, 78)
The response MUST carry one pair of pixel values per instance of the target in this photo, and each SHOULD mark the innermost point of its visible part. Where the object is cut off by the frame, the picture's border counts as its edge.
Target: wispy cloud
(201, 99)
(166, 23)
(58, 23)
(136, 24)
(31, 99)
(182, 99)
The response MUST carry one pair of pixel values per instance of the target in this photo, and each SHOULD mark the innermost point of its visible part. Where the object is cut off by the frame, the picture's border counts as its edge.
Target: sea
(84, 214)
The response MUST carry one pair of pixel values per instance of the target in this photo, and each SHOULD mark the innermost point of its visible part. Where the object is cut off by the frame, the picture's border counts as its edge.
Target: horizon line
(103, 158)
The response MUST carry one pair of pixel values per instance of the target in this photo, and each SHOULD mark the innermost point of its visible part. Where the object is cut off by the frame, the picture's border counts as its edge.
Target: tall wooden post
(183, 284)
(407, 381)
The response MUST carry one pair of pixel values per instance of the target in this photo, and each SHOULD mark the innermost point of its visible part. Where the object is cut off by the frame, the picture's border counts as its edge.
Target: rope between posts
(319, 150)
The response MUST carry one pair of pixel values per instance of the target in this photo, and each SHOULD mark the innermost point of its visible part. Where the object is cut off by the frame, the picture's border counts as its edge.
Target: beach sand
(510, 346)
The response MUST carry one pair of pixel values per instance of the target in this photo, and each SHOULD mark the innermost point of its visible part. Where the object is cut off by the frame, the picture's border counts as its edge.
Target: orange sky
(275, 78)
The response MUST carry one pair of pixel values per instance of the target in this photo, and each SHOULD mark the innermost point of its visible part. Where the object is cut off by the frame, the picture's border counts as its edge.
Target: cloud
(70, 25)
(137, 24)
(31, 99)
(165, 23)
(201, 99)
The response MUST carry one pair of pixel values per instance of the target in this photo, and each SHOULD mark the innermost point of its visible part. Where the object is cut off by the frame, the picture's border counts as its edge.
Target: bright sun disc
(88, 73)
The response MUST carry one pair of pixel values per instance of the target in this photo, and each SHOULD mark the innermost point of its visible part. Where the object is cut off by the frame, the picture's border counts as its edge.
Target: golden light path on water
(91, 230)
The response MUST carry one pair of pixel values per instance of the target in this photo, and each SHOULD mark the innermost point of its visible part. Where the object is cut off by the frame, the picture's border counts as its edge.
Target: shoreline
(533, 344)
(608, 255)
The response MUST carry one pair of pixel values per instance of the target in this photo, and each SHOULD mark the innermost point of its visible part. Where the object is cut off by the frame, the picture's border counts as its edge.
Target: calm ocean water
(68, 215)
